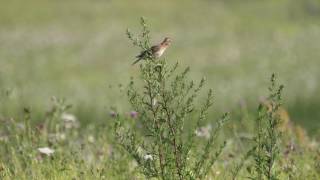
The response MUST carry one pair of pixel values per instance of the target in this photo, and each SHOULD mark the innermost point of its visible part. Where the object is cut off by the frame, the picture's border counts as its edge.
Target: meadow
(79, 51)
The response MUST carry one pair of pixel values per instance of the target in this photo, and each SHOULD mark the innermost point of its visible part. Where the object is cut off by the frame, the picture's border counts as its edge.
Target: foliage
(168, 118)
(163, 146)
(267, 139)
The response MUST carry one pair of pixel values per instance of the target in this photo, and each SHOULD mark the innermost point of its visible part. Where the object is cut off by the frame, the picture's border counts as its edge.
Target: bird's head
(167, 41)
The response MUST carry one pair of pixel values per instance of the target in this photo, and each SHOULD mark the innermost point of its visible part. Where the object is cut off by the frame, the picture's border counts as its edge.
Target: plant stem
(173, 131)
(160, 148)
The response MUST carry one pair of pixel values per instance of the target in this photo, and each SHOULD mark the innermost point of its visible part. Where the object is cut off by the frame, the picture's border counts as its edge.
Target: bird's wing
(155, 49)
(143, 54)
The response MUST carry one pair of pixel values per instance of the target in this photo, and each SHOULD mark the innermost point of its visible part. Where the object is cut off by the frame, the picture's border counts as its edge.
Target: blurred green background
(77, 49)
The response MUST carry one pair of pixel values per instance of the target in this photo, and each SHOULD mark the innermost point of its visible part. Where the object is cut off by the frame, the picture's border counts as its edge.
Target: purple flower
(133, 114)
(113, 114)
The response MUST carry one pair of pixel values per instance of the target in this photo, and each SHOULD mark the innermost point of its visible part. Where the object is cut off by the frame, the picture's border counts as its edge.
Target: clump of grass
(163, 146)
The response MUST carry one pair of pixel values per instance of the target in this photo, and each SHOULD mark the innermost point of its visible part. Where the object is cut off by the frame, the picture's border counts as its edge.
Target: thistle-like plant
(160, 141)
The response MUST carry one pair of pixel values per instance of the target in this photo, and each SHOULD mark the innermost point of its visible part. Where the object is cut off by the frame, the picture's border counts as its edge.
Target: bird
(155, 51)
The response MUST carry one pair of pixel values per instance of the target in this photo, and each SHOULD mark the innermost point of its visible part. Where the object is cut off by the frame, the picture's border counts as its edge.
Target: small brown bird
(155, 51)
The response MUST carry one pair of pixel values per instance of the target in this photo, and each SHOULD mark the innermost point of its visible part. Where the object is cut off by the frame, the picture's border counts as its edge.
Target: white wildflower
(204, 131)
(70, 120)
(45, 150)
(148, 157)
(68, 117)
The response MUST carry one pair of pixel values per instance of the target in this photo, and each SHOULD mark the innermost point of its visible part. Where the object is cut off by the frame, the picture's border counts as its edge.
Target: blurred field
(77, 48)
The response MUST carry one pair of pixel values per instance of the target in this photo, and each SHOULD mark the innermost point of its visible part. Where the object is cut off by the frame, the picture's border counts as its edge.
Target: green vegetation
(75, 49)
(164, 145)
(63, 66)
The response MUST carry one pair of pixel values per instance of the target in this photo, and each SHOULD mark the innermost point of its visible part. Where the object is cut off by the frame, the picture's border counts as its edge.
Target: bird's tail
(136, 61)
